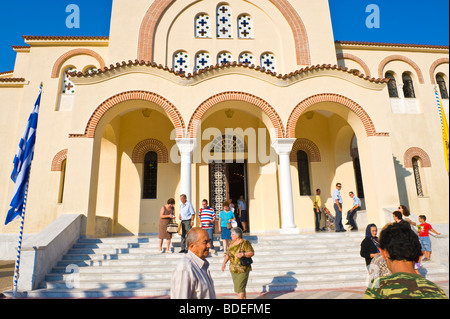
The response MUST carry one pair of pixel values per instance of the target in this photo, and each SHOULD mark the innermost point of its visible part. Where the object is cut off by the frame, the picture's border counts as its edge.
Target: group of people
(322, 214)
(393, 259)
(192, 279)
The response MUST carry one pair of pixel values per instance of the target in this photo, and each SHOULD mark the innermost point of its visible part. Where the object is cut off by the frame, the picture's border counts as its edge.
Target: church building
(218, 100)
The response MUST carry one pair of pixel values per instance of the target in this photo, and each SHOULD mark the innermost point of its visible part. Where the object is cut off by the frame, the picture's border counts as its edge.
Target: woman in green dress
(239, 248)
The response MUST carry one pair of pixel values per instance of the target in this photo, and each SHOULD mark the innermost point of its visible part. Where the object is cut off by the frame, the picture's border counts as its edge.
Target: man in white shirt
(337, 201)
(187, 216)
(192, 278)
(351, 214)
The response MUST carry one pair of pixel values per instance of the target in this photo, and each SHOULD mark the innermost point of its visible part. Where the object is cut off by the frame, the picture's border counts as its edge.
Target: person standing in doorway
(337, 201)
(243, 213)
(207, 217)
(351, 214)
(187, 216)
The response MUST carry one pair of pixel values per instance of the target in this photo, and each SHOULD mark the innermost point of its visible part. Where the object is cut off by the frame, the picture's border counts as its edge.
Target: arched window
(442, 86)
(303, 173)
(202, 26)
(416, 169)
(245, 27)
(224, 57)
(181, 62)
(392, 85)
(246, 57)
(227, 144)
(408, 86)
(150, 175)
(202, 60)
(269, 62)
(62, 182)
(67, 86)
(224, 21)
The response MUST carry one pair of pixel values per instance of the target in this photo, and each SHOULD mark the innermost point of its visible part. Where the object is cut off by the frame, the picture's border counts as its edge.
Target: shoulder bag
(245, 261)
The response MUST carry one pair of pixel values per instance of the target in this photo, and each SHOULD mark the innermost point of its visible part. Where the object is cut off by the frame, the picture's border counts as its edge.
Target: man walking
(337, 200)
(187, 216)
(207, 217)
(192, 278)
(351, 214)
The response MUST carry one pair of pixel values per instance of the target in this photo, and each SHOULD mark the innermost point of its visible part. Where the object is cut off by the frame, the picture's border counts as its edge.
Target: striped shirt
(206, 217)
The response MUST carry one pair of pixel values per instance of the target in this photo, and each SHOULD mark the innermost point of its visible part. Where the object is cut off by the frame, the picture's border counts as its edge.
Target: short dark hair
(226, 203)
(338, 184)
(351, 193)
(206, 201)
(171, 201)
(423, 217)
(401, 242)
(398, 214)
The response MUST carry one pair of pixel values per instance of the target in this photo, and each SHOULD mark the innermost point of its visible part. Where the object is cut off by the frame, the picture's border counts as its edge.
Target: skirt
(226, 233)
(240, 281)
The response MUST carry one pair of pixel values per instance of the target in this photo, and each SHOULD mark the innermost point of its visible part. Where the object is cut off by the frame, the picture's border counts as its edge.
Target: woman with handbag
(240, 256)
(225, 217)
(166, 216)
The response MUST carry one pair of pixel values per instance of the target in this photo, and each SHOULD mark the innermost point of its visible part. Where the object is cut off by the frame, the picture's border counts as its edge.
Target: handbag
(229, 226)
(245, 261)
(172, 227)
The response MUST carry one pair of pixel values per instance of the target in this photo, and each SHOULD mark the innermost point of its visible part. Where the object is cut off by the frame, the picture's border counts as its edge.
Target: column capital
(283, 146)
(186, 145)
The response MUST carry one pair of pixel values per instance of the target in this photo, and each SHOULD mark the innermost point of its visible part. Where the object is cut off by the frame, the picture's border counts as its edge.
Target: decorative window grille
(246, 57)
(224, 20)
(227, 144)
(181, 62)
(68, 87)
(269, 62)
(303, 173)
(150, 175)
(202, 26)
(245, 27)
(202, 60)
(392, 85)
(442, 86)
(416, 169)
(408, 86)
(224, 57)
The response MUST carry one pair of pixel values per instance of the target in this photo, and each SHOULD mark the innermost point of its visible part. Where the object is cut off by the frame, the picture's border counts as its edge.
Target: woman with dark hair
(166, 214)
(406, 213)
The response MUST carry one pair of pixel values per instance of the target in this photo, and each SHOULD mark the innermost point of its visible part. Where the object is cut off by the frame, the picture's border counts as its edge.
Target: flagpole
(19, 246)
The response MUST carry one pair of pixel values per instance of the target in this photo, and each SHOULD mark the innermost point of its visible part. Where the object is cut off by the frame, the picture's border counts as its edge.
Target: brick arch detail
(236, 96)
(303, 144)
(155, 12)
(171, 110)
(358, 60)
(416, 152)
(69, 54)
(142, 148)
(404, 59)
(434, 66)
(59, 158)
(331, 97)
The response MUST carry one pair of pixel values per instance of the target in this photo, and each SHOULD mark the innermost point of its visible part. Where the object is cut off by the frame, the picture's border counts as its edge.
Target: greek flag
(22, 164)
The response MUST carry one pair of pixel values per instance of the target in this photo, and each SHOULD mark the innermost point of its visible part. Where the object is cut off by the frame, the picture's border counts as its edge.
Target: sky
(399, 21)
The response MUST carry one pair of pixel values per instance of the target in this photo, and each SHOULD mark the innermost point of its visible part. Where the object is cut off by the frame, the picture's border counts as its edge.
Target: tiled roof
(45, 37)
(12, 80)
(385, 44)
(232, 64)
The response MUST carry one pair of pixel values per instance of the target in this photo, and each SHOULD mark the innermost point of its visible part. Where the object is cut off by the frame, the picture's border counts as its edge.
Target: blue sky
(401, 21)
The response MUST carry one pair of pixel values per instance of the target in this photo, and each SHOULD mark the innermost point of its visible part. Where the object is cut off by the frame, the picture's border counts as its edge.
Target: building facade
(221, 99)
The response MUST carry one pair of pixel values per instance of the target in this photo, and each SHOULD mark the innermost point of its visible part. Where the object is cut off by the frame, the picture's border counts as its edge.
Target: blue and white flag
(22, 164)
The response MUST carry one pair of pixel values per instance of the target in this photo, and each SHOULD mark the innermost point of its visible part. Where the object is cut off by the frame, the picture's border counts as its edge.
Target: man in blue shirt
(337, 201)
(187, 216)
(351, 214)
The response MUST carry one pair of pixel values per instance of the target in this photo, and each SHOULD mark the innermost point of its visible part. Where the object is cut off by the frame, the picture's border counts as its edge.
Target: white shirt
(192, 279)
(337, 195)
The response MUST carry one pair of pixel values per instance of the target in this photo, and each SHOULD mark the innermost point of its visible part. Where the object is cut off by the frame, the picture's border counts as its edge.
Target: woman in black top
(370, 246)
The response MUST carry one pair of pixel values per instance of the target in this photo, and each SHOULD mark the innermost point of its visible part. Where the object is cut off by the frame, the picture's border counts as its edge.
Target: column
(186, 147)
(283, 147)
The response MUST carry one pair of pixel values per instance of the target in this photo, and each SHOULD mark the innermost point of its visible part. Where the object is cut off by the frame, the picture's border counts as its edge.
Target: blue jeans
(211, 236)
(317, 215)
(351, 218)
(338, 221)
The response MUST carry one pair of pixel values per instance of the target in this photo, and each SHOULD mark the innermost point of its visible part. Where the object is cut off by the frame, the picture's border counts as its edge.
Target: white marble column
(186, 147)
(283, 147)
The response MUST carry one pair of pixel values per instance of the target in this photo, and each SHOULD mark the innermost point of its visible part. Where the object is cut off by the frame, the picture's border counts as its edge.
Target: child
(424, 237)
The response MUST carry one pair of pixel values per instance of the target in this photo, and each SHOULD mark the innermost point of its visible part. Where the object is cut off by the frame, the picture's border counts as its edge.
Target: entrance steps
(133, 267)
